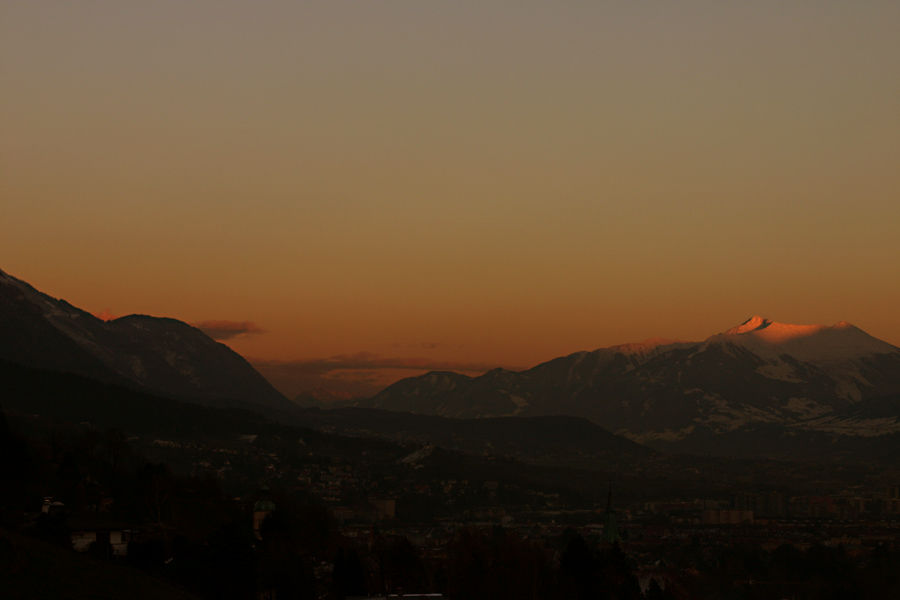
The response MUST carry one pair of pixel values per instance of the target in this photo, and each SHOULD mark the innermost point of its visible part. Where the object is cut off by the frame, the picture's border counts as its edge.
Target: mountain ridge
(156, 353)
(760, 371)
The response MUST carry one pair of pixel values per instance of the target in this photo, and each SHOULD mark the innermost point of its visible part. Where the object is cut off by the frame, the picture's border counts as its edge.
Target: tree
(349, 576)
(618, 581)
(158, 488)
(401, 567)
(580, 570)
(467, 566)
(17, 468)
(656, 592)
(115, 446)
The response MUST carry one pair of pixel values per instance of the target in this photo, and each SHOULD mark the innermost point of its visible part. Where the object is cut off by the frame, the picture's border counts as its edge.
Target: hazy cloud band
(226, 330)
(362, 374)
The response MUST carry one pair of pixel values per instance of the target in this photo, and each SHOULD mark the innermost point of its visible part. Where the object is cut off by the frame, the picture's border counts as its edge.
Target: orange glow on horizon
(457, 184)
(106, 315)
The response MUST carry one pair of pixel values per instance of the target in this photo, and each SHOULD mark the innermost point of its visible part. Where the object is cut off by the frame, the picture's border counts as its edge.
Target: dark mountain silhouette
(545, 440)
(30, 568)
(157, 354)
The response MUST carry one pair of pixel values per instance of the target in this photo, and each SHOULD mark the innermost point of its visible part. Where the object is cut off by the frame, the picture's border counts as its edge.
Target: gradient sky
(361, 191)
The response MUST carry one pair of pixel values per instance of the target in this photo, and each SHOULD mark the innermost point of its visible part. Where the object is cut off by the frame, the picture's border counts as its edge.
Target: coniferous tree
(580, 570)
(348, 577)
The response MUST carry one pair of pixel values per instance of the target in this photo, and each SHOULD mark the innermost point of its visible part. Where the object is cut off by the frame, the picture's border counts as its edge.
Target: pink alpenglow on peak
(773, 331)
(770, 339)
(751, 324)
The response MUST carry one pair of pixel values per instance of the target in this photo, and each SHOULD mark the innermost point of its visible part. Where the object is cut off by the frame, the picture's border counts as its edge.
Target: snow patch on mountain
(858, 427)
(418, 455)
(667, 435)
(729, 416)
(847, 390)
(521, 404)
(137, 367)
(575, 365)
(778, 369)
(805, 408)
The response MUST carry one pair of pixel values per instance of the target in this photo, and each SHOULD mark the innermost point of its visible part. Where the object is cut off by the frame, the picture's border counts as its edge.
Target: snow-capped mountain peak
(761, 371)
(751, 324)
(810, 343)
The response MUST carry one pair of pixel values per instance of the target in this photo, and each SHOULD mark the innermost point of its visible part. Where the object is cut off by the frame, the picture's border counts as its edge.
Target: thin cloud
(430, 346)
(369, 361)
(226, 330)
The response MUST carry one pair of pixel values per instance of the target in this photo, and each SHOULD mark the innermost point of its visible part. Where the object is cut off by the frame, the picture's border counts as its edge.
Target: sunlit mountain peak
(770, 339)
(751, 324)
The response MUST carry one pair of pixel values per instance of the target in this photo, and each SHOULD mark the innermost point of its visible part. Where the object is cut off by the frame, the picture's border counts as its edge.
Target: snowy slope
(758, 372)
(807, 343)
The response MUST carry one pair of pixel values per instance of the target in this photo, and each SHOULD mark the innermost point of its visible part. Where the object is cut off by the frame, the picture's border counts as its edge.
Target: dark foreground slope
(31, 569)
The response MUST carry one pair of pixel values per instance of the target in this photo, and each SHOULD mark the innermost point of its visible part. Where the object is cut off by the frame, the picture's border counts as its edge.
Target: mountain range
(754, 388)
(152, 354)
(758, 372)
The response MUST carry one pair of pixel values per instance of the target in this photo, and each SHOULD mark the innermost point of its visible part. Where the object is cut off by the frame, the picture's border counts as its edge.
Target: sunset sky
(351, 192)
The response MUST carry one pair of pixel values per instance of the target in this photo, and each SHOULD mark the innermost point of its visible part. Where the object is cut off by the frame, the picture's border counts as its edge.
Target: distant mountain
(758, 372)
(423, 394)
(158, 354)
